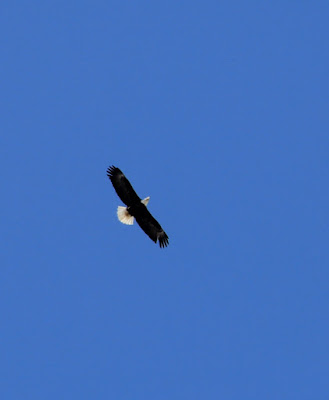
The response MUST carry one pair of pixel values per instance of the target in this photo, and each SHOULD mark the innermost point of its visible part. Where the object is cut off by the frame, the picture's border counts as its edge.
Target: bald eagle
(136, 208)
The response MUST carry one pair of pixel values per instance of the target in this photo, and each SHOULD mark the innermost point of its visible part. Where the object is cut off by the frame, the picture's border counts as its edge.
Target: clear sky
(219, 112)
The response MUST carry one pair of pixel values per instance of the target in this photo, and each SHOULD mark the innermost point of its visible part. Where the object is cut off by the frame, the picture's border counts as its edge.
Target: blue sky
(219, 112)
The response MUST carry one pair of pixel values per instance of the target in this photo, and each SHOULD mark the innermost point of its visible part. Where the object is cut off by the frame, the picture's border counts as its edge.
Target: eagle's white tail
(124, 216)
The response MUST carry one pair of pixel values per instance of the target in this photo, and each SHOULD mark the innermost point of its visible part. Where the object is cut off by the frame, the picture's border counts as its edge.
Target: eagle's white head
(145, 201)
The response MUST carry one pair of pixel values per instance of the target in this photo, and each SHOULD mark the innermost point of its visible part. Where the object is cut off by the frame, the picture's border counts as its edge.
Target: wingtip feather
(163, 239)
(110, 171)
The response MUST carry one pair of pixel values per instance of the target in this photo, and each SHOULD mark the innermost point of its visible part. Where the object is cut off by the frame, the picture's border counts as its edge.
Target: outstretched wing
(151, 227)
(122, 186)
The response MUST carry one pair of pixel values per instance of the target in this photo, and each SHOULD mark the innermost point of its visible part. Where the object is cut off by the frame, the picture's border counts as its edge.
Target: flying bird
(136, 208)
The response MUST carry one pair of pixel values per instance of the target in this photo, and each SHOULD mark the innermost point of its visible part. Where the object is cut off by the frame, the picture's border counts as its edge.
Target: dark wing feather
(122, 186)
(151, 227)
